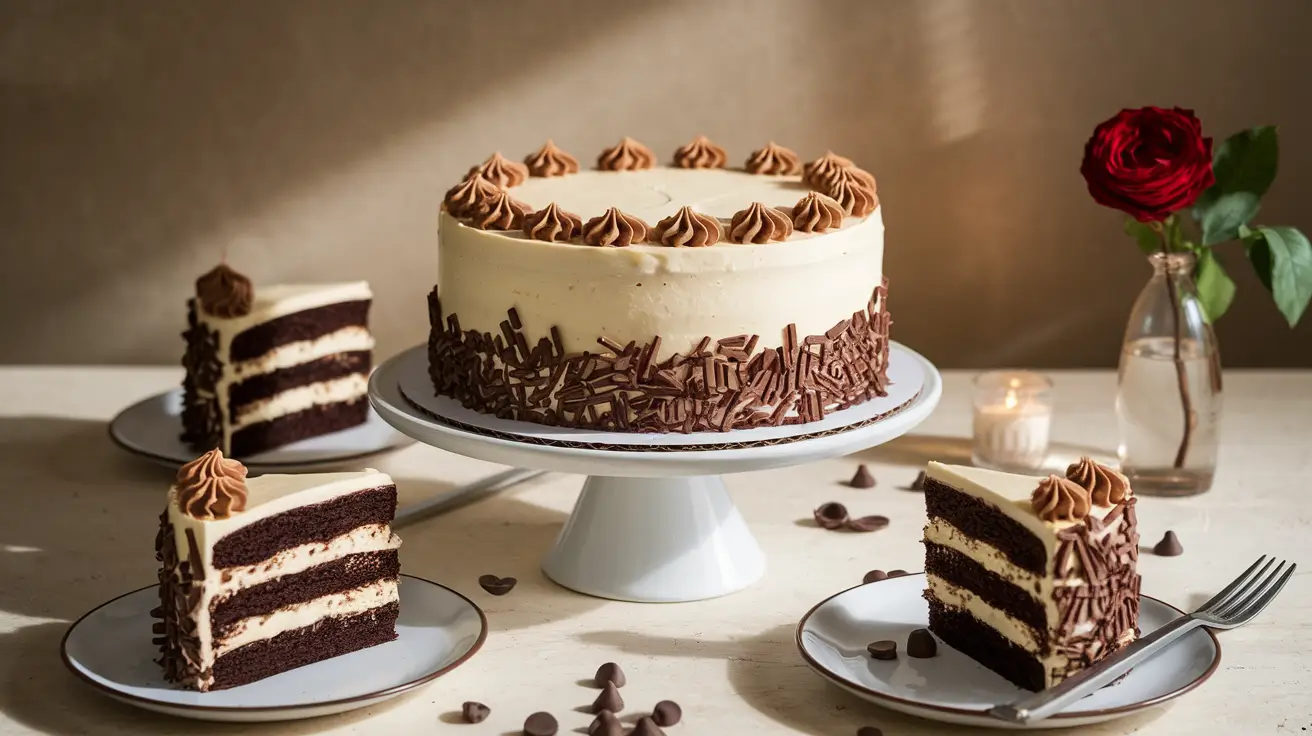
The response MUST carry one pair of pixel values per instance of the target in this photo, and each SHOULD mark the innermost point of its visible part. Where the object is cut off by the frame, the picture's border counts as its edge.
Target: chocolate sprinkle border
(622, 388)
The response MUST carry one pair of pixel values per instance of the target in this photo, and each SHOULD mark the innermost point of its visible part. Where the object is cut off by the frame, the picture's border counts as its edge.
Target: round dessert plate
(151, 427)
(953, 688)
(438, 630)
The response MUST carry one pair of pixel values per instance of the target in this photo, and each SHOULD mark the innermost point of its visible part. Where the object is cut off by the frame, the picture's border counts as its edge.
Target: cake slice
(1032, 577)
(265, 575)
(270, 367)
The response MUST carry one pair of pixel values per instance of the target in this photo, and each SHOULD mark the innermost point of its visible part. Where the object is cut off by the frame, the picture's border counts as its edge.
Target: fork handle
(1040, 705)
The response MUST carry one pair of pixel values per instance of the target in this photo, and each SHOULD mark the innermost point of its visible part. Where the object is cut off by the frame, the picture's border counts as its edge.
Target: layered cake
(636, 297)
(1032, 577)
(272, 366)
(265, 575)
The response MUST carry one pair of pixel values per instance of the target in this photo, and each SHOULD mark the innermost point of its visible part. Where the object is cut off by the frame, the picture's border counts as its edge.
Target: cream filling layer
(301, 398)
(1019, 633)
(347, 339)
(369, 538)
(300, 615)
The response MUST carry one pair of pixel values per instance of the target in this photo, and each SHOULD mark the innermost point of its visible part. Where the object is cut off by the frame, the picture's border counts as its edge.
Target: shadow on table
(768, 673)
(917, 450)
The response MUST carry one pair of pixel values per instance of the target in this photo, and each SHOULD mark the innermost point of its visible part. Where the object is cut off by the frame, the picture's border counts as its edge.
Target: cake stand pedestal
(654, 522)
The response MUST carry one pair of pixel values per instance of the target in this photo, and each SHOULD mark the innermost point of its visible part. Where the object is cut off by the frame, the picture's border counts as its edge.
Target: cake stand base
(654, 522)
(655, 540)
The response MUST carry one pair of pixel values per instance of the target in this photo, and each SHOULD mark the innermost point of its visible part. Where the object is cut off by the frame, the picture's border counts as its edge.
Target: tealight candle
(1013, 419)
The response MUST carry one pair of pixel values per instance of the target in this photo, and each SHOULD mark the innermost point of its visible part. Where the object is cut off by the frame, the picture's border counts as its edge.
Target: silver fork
(1235, 605)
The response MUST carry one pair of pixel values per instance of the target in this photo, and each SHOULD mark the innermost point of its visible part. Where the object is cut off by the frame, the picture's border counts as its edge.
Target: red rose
(1149, 162)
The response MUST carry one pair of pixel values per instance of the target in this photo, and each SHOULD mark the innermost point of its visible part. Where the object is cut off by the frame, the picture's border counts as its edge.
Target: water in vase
(1152, 420)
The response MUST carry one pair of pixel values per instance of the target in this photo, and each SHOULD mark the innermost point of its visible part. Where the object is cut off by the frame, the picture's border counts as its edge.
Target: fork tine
(1234, 585)
(1253, 608)
(1250, 592)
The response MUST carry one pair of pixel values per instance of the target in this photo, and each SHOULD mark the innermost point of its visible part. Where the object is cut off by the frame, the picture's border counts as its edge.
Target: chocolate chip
(606, 724)
(474, 712)
(863, 478)
(666, 713)
(921, 644)
(869, 731)
(496, 585)
(919, 483)
(646, 727)
(897, 573)
(874, 576)
(541, 724)
(610, 672)
(832, 515)
(609, 699)
(867, 523)
(883, 649)
(1169, 546)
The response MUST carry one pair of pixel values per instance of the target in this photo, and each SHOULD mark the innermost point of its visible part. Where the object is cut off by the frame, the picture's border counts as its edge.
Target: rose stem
(1186, 402)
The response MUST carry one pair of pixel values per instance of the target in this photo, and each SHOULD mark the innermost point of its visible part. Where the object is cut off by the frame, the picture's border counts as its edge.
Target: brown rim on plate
(387, 692)
(123, 444)
(879, 696)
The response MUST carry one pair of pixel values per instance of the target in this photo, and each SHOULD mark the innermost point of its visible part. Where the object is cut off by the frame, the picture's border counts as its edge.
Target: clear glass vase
(1168, 398)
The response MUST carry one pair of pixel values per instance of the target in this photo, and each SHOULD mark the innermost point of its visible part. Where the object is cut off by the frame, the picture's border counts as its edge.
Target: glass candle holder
(1013, 420)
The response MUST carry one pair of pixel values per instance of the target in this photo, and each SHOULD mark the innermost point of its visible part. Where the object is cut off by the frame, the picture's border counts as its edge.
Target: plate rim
(384, 693)
(950, 710)
(114, 437)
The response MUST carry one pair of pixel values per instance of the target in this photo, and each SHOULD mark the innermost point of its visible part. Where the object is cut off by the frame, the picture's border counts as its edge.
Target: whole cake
(643, 298)
(1034, 578)
(265, 575)
(273, 366)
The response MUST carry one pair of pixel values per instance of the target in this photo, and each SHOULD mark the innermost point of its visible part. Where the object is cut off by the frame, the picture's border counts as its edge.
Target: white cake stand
(654, 522)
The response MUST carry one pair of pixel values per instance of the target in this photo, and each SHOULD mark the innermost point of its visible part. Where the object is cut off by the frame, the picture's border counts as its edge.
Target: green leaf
(1282, 257)
(1245, 166)
(1150, 241)
(1215, 289)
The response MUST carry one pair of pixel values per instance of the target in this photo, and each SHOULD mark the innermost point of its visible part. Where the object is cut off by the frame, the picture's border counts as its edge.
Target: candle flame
(1010, 402)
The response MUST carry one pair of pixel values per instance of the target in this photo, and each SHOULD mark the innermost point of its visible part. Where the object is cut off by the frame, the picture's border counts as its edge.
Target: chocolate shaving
(832, 515)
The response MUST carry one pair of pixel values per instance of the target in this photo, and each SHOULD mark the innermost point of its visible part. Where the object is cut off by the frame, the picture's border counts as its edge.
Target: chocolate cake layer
(339, 576)
(985, 645)
(330, 637)
(306, 324)
(987, 523)
(318, 522)
(993, 589)
(266, 385)
(288, 428)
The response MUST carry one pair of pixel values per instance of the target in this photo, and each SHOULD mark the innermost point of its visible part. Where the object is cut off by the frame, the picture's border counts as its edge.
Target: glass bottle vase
(1168, 398)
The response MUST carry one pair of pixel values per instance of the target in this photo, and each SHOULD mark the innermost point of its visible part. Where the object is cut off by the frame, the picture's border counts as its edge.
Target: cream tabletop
(78, 520)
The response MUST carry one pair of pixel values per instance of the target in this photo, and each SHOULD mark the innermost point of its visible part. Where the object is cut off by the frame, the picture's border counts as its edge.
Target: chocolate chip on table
(541, 724)
(863, 478)
(474, 712)
(610, 672)
(897, 573)
(832, 515)
(606, 724)
(869, 731)
(867, 523)
(919, 483)
(666, 713)
(646, 727)
(921, 644)
(496, 585)
(609, 699)
(882, 649)
(1169, 546)
(874, 576)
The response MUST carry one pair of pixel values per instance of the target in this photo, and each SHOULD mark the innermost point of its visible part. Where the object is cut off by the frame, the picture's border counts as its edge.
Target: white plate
(438, 630)
(952, 687)
(151, 429)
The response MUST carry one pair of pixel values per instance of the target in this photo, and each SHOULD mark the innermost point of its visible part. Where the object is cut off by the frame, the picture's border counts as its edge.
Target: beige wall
(314, 140)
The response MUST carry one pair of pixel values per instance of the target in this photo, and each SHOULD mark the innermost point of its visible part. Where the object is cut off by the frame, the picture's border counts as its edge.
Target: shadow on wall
(141, 144)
